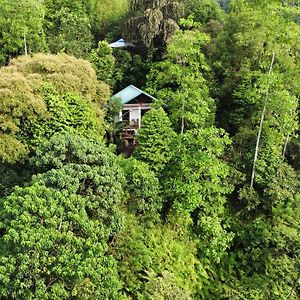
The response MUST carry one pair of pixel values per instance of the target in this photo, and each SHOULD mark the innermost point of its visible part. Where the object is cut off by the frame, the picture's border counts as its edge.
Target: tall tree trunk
(261, 125)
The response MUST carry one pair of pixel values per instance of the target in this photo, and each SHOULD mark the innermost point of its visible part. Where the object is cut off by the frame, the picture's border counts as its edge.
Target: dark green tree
(143, 188)
(60, 224)
(155, 23)
(68, 27)
(155, 139)
(108, 17)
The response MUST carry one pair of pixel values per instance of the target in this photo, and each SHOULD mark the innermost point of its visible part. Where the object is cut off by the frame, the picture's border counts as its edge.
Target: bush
(142, 188)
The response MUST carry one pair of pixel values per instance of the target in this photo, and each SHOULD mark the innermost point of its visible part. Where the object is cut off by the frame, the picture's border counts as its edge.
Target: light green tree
(104, 62)
(21, 26)
(179, 83)
(195, 179)
(36, 101)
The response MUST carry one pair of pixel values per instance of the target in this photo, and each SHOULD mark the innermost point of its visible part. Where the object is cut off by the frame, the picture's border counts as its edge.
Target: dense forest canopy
(207, 205)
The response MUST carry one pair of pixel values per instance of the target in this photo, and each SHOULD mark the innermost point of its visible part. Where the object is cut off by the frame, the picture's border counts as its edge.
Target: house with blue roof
(121, 43)
(136, 103)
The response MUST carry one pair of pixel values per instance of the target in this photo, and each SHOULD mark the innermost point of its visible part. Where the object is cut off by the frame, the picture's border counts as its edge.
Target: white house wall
(135, 116)
(134, 112)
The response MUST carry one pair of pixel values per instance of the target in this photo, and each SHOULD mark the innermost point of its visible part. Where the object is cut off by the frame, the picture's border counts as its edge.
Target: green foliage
(65, 73)
(112, 128)
(263, 260)
(12, 175)
(151, 255)
(66, 148)
(153, 25)
(204, 10)
(155, 139)
(66, 112)
(196, 173)
(21, 26)
(55, 232)
(163, 287)
(143, 189)
(103, 61)
(19, 105)
(178, 81)
(243, 48)
(267, 256)
(179, 220)
(68, 27)
(52, 249)
(44, 94)
(129, 69)
(280, 123)
(108, 15)
(195, 181)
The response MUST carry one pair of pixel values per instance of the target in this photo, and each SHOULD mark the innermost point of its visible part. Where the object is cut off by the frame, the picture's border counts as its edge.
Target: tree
(52, 249)
(68, 27)
(143, 188)
(60, 224)
(21, 26)
(19, 104)
(25, 100)
(195, 179)
(280, 124)
(154, 27)
(65, 113)
(267, 255)
(179, 83)
(155, 139)
(262, 101)
(157, 261)
(241, 51)
(108, 16)
(129, 69)
(85, 167)
(195, 182)
(104, 62)
(204, 10)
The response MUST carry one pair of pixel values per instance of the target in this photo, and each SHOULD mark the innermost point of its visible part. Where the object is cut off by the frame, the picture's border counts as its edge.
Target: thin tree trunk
(261, 125)
(182, 118)
(25, 44)
(285, 146)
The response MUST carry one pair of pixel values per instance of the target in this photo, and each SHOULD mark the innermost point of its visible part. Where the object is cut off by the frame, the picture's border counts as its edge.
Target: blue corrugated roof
(129, 93)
